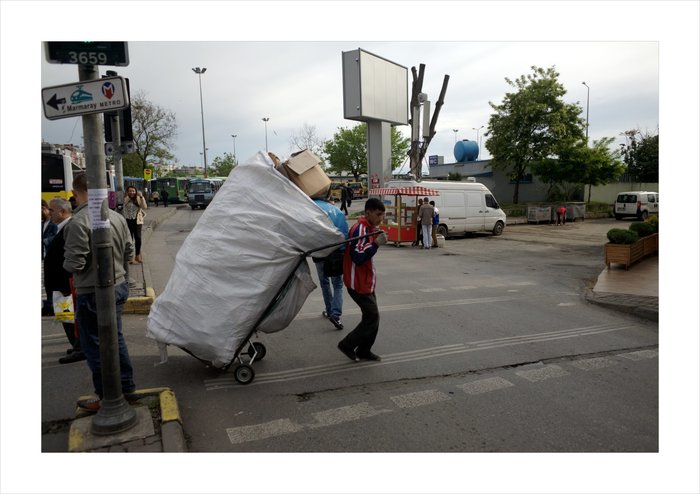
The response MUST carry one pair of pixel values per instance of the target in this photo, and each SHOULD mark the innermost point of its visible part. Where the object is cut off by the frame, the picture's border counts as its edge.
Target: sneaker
(90, 405)
(75, 356)
(348, 352)
(336, 322)
(369, 356)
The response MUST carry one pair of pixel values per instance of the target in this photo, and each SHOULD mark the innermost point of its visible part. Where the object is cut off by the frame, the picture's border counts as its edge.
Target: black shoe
(336, 322)
(69, 351)
(348, 352)
(75, 356)
(369, 356)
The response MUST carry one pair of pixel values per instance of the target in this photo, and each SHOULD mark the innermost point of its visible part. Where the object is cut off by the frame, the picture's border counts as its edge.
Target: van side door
(475, 211)
(453, 211)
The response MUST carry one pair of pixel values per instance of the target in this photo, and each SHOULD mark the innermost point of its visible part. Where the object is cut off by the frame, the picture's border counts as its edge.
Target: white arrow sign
(85, 97)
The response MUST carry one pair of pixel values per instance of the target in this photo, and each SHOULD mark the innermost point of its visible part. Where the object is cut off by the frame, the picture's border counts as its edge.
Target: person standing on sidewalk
(329, 278)
(80, 261)
(164, 197)
(48, 231)
(359, 275)
(426, 213)
(436, 222)
(57, 279)
(134, 211)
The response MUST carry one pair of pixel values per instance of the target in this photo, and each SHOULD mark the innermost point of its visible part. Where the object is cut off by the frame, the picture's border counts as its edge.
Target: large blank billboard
(374, 88)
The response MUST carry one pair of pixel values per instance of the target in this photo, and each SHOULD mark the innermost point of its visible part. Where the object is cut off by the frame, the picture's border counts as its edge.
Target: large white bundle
(238, 256)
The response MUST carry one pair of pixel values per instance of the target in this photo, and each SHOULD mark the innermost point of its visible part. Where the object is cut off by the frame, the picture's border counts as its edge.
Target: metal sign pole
(115, 414)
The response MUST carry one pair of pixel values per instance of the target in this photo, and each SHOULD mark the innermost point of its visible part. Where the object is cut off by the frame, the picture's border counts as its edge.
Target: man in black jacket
(58, 279)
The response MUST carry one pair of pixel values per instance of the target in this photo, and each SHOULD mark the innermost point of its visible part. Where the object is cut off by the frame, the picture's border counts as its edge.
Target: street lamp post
(588, 99)
(477, 140)
(455, 131)
(199, 72)
(234, 147)
(266, 119)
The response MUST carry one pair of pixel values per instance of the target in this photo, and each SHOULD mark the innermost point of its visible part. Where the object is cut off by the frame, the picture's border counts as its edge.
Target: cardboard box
(304, 169)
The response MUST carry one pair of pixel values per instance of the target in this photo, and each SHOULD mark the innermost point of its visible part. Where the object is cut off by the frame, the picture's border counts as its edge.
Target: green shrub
(653, 220)
(620, 236)
(642, 229)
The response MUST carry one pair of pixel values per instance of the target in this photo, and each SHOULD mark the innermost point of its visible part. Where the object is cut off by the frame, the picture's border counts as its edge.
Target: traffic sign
(85, 97)
(88, 52)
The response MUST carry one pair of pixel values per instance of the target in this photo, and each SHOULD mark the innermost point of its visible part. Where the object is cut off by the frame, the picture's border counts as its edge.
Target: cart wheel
(396, 244)
(244, 374)
(259, 348)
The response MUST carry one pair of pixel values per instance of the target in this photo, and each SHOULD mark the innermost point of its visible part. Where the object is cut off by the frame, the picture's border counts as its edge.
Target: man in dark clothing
(164, 197)
(58, 279)
(344, 199)
(359, 276)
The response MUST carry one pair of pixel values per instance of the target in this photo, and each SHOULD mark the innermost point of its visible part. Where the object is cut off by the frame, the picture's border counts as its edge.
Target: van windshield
(200, 187)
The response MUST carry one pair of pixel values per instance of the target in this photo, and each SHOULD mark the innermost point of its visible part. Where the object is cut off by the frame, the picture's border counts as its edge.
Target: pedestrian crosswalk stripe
(485, 385)
(593, 363)
(420, 398)
(640, 355)
(543, 373)
(256, 432)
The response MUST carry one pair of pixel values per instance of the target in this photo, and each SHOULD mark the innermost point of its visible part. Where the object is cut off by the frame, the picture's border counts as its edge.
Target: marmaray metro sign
(85, 97)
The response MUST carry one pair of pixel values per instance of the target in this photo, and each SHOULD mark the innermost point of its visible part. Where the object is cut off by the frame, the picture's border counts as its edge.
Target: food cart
(401, 215)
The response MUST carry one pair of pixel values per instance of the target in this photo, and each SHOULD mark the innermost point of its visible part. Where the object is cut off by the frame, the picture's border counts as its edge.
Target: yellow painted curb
(140, 305)
(169, 410)
(75, 440)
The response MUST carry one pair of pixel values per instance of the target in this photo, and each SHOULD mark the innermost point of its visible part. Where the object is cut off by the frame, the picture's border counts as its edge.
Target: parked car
(639, 204)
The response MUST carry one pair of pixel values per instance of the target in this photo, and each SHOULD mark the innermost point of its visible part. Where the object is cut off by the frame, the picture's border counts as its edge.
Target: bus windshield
(200, 187)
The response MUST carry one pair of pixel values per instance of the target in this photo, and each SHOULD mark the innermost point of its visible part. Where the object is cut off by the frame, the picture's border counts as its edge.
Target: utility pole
(115, 414)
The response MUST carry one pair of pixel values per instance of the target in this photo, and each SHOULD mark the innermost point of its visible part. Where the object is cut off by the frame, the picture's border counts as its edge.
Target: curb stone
(644, 307)
(171, 432)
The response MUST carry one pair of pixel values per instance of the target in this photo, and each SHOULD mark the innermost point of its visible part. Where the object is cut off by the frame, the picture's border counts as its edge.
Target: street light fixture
(199, 72)
(266, 119)
(588, 99)
(455, 131)
(234, 147)
(477, 140)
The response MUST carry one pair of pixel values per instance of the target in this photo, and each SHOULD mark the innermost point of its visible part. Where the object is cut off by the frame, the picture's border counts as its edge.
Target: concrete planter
(626, 254)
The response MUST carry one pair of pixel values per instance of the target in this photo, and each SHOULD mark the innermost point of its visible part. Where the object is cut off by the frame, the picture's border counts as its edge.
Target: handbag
(333, 264)
(63, 307)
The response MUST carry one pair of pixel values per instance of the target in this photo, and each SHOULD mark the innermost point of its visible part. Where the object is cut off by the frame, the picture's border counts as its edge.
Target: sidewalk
(635, 291)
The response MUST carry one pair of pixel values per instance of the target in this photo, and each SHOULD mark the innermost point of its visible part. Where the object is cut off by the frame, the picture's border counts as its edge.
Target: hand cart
(400, 221)
(248, 352)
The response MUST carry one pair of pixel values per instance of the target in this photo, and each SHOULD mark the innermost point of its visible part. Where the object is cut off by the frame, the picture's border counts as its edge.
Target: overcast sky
(297, 83)
(282, 60)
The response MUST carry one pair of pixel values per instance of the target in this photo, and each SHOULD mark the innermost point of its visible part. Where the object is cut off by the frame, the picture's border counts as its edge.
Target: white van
(637, 203)
(463, 207)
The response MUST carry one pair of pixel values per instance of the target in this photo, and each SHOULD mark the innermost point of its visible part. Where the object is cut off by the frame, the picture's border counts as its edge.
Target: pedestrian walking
(164, 196)
(155, 197)
(330, 268)
(80, 261)
(359, 276)
(344, 199)
(135, 211)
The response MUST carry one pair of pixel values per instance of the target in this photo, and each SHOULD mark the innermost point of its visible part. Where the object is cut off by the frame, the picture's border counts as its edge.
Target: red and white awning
(404, 191)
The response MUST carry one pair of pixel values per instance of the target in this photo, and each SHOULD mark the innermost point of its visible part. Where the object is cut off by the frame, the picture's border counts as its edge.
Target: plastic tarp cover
(240, 254)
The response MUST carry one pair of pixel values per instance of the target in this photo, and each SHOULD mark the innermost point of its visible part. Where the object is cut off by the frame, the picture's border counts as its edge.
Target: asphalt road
(487, 345)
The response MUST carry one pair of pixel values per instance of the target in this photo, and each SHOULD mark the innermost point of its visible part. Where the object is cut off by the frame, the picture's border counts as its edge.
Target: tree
(532, 124)
(579, 165)
(641, 155)
(347, 151)
(154, 128)
(306, 138)
(222, 165)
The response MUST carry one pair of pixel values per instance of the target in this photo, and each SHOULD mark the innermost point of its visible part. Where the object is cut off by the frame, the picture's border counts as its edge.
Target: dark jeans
(135, 231)
(90, 342)
(362, 337)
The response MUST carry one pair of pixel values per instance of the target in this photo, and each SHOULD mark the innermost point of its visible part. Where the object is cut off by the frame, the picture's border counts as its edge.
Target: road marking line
(466, 287)
(420, 398)
(226, 382)
(256, 432)
(401, 292)
(640, 355)
(431, 290)
(349, 413)
(593, 363)
(542, 374)
(485, 385)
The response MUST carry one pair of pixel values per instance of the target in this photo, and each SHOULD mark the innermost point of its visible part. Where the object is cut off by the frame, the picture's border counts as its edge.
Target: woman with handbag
(135, 211)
